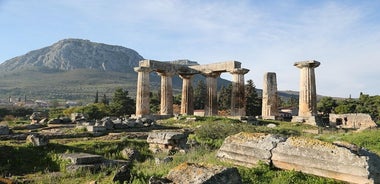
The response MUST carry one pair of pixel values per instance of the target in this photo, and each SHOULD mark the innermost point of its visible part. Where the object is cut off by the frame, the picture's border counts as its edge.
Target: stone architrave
(211, 105)
(187, 100)
(166, 107)
(238, 95)
(269, 105)
(143, 90)
(308, 94)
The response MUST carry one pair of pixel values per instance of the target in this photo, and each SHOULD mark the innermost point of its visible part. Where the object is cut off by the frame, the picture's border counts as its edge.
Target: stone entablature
(168, 69)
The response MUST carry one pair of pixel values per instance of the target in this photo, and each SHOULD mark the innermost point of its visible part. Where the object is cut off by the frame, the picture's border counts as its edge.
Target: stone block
(193, 173)
(93, 128)
(4, 130)
(83, 158)
(247, 149)
(167, 140)
(327, 160)
(37, 140)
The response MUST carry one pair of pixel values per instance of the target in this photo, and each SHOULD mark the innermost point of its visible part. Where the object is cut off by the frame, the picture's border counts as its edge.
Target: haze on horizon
(265, 36)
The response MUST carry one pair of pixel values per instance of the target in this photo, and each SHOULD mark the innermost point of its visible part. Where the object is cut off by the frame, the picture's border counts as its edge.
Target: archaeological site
(169, 147)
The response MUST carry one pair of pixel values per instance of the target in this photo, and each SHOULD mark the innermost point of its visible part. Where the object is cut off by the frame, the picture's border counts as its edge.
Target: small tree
(155, 100)
(253, 101)
(96, 97)
(200, 95)
(104, 100)
(224, 100)
(326, 105)
(122, 104)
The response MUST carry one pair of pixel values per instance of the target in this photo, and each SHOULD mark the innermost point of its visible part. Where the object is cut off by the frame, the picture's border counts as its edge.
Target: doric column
(269, 105)
(166, 93)
(211, 105)
(142, 94)
(308, 93)
(238, 94)
(187, 101)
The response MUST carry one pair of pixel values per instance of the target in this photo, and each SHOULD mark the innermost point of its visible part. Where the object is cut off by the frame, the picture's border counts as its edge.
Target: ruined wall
(356, 120)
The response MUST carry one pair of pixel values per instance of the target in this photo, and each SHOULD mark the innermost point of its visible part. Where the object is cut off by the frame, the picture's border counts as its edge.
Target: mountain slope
(74, 69)
(70, 54)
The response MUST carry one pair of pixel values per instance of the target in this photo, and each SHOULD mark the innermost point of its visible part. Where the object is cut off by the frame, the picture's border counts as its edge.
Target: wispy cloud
(263, 35)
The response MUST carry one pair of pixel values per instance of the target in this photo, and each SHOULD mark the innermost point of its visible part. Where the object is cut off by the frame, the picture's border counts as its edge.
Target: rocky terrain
(74, 69)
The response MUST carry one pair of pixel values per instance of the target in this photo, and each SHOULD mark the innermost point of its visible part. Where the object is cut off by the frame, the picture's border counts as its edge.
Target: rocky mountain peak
(70, 54)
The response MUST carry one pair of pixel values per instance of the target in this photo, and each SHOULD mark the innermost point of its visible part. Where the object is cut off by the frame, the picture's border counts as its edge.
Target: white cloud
(264, 36)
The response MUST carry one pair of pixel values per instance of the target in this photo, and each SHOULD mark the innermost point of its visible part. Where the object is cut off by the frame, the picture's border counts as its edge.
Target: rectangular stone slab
(325, 159)
(83, 158)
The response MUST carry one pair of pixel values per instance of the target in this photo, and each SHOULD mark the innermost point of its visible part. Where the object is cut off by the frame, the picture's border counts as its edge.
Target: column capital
(309, 64)
(142, 69)
(166, 73)
(211, 74)
(239, 71)
(186, 76)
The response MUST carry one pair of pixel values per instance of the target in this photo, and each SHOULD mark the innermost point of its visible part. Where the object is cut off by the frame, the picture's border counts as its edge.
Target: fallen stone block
(247, 149)
(167, 141)
(324, 159)
(4, 130)
(83, 158)
(193, 173)
(37, 140)
(94, 128)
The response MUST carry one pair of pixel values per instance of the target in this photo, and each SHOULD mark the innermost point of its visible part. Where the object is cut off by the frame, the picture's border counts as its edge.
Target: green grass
(40, 164)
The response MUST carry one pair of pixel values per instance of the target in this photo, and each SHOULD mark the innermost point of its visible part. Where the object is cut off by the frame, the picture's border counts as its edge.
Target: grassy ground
(43, 165)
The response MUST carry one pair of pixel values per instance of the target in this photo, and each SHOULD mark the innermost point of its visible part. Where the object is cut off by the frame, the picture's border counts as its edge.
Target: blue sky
(265, 36)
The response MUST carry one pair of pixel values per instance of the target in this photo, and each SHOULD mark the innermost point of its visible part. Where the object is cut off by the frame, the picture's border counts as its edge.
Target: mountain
(71, 54)
(74, 69)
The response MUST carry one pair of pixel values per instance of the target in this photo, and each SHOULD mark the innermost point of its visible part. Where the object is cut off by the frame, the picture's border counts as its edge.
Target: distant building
(71, 104)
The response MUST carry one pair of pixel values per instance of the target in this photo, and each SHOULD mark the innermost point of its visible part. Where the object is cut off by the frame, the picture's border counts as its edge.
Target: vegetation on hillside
(364, 104)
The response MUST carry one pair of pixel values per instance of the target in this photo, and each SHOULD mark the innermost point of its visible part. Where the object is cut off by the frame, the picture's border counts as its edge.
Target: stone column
(166, 107)
(238, 94)
(142, 94)
(270, 104)
(187, 101)
(308, 95)
(211, 105)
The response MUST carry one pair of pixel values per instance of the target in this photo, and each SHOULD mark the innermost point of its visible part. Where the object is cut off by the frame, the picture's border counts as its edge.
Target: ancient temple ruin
(211, 71)
(269, 104)
(307, 112)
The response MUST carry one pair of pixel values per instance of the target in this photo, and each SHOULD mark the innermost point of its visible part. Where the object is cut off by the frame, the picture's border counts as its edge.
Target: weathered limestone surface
(187, 100)
(358, 121)
(247, 149)
(166, 107)
(37, 140)
(217, 67)
(338, 160)
(143, 90)
(187, 173)
(327, 160)
(270, 107)
(167, 140)
(186, 71)
(238, 94)
(4, 130)
(83, 158)
(88, 161)
(211, 105)
(308, 93)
